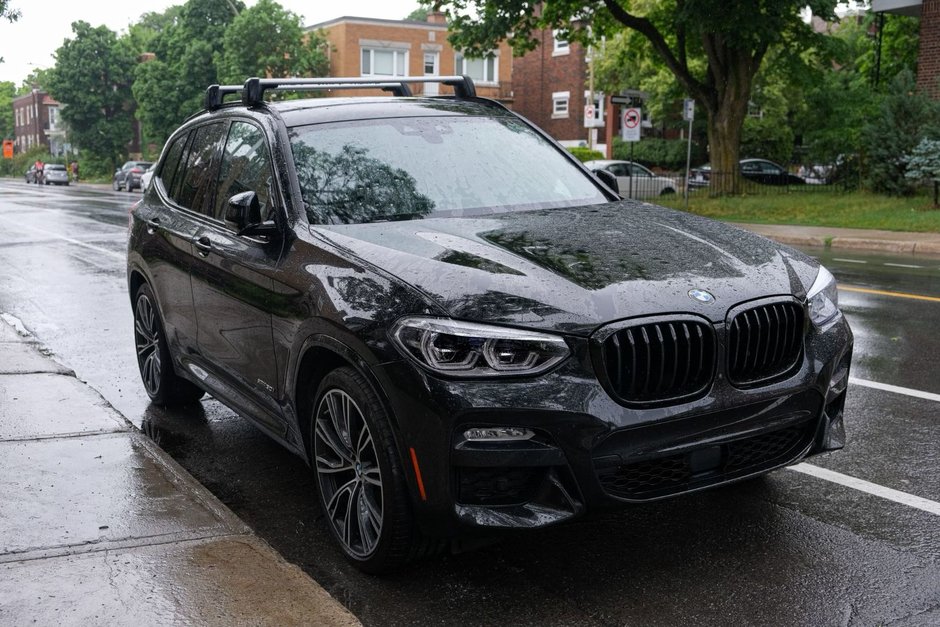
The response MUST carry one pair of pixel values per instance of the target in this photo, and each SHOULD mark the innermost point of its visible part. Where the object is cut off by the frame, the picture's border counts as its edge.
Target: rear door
(232, 276)
(165, 245)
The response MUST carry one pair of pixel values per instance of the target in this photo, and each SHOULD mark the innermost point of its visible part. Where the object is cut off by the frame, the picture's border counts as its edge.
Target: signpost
(591, 119)
(7, 148)
(688, 113)
(630, 124)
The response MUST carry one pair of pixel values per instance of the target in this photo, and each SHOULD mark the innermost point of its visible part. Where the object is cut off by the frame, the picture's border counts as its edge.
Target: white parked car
(633, 180)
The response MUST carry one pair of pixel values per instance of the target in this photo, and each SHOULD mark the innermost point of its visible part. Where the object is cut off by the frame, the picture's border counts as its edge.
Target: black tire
(161, 382)
(115, 185)
(667, 192)
(128, 188)
(366, 476)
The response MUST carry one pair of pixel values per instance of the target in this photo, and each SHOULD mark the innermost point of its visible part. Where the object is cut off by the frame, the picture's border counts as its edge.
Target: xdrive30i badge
(701, 296)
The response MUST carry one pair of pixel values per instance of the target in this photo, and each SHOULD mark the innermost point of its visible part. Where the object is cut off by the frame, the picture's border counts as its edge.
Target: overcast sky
(30, 42)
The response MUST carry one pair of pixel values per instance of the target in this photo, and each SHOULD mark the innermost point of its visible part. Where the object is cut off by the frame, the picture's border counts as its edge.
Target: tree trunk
(724, 144)
(733, 71)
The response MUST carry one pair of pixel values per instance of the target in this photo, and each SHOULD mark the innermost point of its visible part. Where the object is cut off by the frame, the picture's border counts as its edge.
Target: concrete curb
(891, 242)
(143, 542)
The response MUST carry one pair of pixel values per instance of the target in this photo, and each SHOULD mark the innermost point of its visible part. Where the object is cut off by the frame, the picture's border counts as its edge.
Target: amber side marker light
(414, 462)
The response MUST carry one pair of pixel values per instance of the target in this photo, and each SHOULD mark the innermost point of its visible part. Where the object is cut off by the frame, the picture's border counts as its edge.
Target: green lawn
(810, 207)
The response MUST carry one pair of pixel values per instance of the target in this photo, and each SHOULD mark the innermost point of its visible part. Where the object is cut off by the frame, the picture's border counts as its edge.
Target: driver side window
(245, 168)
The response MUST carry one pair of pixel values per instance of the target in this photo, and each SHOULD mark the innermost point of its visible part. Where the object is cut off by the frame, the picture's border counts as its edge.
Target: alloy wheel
(147, 338)
(348, 473)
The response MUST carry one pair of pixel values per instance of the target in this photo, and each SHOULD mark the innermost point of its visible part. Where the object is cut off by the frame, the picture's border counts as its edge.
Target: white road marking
(868, 487)
(901, 265)
(885, 387)
(849, 260)
(65, 239)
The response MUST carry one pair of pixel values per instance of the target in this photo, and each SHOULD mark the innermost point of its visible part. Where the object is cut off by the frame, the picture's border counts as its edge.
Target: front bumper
(589, 451)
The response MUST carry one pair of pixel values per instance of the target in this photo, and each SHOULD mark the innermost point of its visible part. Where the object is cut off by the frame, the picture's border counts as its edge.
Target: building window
(481, 69)
(561, 45)
(53, 118)
(384, 62)
(560, 104)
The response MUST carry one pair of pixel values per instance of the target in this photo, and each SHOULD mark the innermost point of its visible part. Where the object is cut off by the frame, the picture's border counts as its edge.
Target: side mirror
(243, 215)
(608, 179)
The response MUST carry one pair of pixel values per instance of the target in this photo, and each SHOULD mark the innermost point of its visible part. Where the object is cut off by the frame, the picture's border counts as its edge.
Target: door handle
(153, 224)
(203, 245)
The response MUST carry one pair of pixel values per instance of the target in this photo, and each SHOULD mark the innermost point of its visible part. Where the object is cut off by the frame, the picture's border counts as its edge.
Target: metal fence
(708, 183)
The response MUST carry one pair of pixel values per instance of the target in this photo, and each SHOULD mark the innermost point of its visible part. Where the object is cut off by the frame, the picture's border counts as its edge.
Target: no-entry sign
(630, 124)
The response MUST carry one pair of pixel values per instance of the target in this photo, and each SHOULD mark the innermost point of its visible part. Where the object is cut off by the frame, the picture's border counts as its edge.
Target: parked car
(33, 174)
(454, 344)
(128, 176)
(55, 174)
(145, 178)
(634, 180)
(758, 170)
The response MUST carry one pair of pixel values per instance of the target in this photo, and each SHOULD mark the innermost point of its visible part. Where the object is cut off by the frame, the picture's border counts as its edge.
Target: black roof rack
(252, 92)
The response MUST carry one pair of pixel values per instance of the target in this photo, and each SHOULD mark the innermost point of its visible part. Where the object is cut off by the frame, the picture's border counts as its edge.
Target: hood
(573, 270)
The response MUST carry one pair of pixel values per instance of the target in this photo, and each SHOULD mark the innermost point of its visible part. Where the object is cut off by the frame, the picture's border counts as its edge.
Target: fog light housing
(497, 434)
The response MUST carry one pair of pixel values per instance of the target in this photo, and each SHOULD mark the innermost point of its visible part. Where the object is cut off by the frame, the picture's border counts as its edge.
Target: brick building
(551, 88)
(928, 57)
(36, 122)
(369, 47)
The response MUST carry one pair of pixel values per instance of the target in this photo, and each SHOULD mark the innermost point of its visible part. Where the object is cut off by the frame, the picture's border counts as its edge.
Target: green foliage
(21, 161)
(185, 41)
(583, 153)
(268, 40)
(666, 154)
(7, 93)
(418, 15)
(37, 79)
(143, 34)
(7, 12)
(92, 79)
(900, 42)
(923, 163)
(905, 118)
(714, 48)
(159, 108)
(768, 138)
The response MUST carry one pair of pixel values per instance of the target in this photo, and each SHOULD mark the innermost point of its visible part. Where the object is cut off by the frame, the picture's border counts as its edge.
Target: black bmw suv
(458, 326)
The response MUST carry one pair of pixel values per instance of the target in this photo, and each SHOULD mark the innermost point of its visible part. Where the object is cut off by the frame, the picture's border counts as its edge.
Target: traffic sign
(7, 148)
(630, 120)
(688, 109)
(591, 119)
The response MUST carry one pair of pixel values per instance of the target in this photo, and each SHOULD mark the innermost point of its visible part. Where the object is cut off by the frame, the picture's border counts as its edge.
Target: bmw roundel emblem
(701, 296)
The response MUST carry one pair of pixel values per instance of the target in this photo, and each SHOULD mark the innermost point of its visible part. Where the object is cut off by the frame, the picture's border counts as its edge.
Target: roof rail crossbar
(215, 94)
(253, 91)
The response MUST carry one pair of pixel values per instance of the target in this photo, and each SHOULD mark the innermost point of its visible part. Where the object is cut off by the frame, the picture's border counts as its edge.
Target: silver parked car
(55, 174)
(634, 180)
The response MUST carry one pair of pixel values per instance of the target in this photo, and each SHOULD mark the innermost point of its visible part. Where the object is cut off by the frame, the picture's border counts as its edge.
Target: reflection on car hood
(574, 269)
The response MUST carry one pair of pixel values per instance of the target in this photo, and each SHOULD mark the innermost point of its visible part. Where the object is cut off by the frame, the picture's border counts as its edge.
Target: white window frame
(460, 63)
(399, 62)
(560, 46)
(561, 104)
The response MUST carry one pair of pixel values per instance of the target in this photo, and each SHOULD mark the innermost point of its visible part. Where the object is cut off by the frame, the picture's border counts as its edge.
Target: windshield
(407, 168)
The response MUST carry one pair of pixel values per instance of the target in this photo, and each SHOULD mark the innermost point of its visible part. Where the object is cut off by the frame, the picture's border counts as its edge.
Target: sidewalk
(98, 526)
(850, 239)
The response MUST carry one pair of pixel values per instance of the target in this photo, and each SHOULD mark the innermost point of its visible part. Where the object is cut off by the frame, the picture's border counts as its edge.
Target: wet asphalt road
(788, 549)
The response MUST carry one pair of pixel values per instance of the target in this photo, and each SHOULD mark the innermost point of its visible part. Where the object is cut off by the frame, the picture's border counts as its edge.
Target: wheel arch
(319, 356)
(135, 279)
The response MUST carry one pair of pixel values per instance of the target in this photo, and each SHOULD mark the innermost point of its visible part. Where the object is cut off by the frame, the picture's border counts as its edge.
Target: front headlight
(468, 349)
(823, 298)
